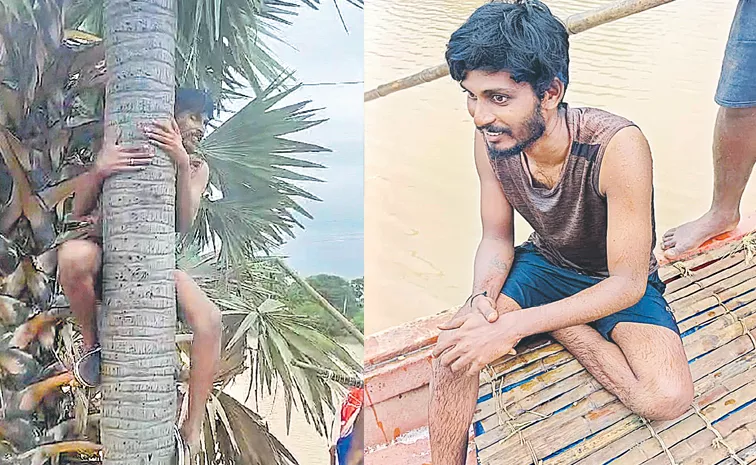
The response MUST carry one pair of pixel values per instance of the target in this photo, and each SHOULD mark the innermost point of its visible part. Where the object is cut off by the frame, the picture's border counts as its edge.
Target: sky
(320, 50)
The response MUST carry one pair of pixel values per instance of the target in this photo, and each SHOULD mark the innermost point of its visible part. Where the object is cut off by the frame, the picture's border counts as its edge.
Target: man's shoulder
(198, 165)
(596, 126)
(599, 115)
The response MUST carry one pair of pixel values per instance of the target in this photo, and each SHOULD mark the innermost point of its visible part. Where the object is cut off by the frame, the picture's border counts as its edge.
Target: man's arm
(190, 185)
(191, 181)
(626, 180)
(112, 158)
(87, 188)
(495, 253)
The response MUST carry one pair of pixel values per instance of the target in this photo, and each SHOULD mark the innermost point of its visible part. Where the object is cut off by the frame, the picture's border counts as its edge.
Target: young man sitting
(582, 178)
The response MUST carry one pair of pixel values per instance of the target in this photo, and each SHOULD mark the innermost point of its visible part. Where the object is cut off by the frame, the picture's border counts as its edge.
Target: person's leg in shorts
(636, 354)
(734, 138)
(78, 274)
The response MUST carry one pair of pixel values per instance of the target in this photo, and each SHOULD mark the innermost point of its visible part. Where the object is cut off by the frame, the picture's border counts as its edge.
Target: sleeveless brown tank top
(570, 220)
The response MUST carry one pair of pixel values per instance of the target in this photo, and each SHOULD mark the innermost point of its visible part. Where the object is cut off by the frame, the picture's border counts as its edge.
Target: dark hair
(194, 100)
(521, 37)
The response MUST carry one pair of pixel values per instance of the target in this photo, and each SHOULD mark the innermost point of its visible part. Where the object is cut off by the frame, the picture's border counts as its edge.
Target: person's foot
(87, 368)
(689, 236)
(191, 439)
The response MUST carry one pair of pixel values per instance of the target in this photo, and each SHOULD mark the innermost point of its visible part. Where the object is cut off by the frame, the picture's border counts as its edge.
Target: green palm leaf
(260, 328)
(250, 163)
(221, 46)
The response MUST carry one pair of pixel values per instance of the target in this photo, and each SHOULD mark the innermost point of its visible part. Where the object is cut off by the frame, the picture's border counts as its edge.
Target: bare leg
(734, 157)
(647, 369)
(452, 404)
(205, 320)
(79, 266)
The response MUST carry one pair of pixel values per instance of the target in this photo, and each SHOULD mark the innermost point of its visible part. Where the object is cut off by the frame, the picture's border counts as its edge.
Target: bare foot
(192, 441)
(689, 236)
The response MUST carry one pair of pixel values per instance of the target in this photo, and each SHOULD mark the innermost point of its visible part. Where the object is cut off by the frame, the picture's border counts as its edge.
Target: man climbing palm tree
(79, 260)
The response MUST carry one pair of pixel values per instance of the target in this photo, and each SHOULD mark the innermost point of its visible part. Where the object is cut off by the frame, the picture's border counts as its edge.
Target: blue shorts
(535, 281)
(737, 81)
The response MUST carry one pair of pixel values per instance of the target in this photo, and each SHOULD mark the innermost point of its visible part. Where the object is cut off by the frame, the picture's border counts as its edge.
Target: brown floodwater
(659, 68)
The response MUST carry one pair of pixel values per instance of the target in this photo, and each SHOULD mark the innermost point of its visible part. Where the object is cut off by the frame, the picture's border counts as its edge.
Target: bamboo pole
(704, 272)
(534, 409)
(700, 301)
(348, 325)
(600, 402)
(748, 454)
(538, 370)
(535, 386)
(526, 356)
(583, 419)
(708, 276)
(668, 272)
(580, 382)
(716, 312)
(575, 23)
(719, 383)
(330, 374)
(711, 281)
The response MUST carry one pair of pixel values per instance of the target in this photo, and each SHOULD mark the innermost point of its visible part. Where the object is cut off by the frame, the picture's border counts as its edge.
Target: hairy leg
(205, 320)
(734, 156)
(79, 267)
(647, 368)
(452, 404)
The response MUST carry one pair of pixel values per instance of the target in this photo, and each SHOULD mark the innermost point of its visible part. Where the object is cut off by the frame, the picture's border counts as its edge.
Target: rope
(685, 272)
(737, 319)
(718, 440)
(661, 442)
(683, 269)
(502, 409)
(747, 244)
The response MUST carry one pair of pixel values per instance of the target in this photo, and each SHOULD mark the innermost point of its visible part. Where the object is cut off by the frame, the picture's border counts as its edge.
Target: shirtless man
(582, 178)
(79, 260)
(734, 138)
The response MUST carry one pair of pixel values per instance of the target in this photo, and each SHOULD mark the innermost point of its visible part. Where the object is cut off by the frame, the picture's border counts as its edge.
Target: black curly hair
(194, 100)
(521, 37)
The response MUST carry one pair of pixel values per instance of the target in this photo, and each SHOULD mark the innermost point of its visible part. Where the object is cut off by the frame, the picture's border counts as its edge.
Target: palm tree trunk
(138, 320)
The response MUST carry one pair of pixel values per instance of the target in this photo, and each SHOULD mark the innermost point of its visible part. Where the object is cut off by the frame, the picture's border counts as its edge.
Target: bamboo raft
(542, 407)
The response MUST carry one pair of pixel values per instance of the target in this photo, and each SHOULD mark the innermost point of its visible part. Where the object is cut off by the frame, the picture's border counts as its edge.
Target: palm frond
(251, 164)
(260, 329)
(221, 46)
(237, 435)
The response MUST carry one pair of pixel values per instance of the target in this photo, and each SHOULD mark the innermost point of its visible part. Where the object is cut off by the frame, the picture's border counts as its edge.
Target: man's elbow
(634, 288)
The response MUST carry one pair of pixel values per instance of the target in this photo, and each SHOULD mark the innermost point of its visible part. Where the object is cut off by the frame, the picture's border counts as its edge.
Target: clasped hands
(476, 336)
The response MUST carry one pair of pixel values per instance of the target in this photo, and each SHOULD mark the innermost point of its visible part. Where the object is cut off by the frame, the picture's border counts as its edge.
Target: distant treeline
(345, 295)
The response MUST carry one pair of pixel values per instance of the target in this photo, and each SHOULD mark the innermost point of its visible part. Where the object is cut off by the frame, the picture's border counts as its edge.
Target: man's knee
(78, 262)
(204, 316)
(215, 321)
(665, 401)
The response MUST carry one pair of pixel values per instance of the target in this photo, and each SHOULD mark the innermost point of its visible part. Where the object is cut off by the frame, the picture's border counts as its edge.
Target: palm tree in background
(52, 78)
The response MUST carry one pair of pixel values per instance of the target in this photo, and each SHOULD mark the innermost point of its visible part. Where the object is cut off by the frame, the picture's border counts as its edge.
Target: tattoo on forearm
(499, 265)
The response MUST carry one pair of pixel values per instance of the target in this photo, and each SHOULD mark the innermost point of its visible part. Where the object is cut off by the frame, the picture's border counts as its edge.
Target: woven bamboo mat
(542, 407)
